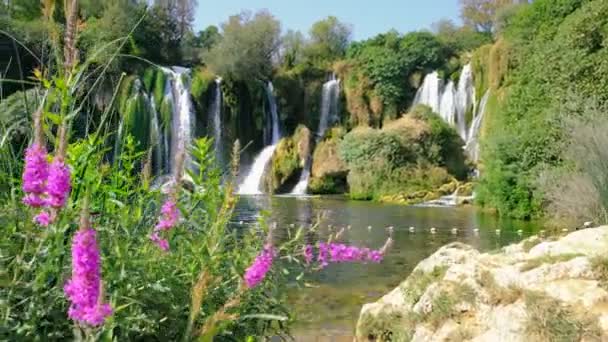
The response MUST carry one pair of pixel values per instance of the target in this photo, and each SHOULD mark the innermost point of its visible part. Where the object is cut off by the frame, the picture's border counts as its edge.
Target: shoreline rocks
(532, 291)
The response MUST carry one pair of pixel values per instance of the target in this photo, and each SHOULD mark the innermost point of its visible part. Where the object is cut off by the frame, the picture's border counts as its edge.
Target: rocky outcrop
(329, 172)
(532, 291)
(288, 160)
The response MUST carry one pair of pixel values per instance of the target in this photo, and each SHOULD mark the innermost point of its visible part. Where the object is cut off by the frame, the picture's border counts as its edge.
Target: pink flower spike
(33, 200)
(169, 217)
(84, 288)
(58, 185)
(44, 218)
(260, 267)
(35, 174)
(161, 243)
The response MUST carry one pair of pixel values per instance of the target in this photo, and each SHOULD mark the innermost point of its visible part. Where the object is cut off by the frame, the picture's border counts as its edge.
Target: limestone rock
(459, 294)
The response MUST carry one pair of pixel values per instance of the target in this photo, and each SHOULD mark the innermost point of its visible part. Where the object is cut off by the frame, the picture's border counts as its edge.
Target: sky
(367, 17)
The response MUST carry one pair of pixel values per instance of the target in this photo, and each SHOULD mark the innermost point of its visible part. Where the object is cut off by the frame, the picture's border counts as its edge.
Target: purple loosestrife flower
(375, 256)
(160, 242)
(261, 265)
(58, 185)
(35, 174)
(170, 215)
(84, 289)
(308, 254)
(44, 218)
(323, 253)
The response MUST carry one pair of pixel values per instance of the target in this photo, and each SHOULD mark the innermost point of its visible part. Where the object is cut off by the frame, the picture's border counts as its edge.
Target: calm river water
(328, 307)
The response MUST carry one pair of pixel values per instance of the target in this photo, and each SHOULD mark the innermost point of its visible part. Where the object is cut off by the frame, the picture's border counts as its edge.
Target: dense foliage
(557, 51)
(417, 152)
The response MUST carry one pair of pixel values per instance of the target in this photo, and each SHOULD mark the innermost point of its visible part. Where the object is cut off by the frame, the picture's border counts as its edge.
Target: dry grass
(546, 259)
(550, 320)
(600, 268)
(499, 295)
(418, 281)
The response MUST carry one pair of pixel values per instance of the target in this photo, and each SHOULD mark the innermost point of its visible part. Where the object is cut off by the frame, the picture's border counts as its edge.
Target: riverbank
(535, 290)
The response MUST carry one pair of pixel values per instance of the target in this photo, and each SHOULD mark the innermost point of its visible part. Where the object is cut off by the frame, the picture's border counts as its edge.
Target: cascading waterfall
(465, 99)
(447, 106)
(430, 92)
(451, 102)
(216, 118)
(183, 114)
(251, 184)
(329, 105)
(329, 110)
(472, 143)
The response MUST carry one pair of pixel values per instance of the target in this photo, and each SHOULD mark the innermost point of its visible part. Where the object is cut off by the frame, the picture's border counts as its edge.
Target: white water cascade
(430, 92)
(329, 111)
(472, 143)
(182, 124)
(215, 109)
(251, 184)
(451, 102)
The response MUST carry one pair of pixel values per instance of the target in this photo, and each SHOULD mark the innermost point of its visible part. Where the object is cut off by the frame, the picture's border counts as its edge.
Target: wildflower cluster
(260, 267)
(340, 253)
(45, 185)
(169, 218)
(84, 288)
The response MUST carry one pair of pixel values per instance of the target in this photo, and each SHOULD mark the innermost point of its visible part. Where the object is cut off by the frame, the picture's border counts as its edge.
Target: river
(329, 303)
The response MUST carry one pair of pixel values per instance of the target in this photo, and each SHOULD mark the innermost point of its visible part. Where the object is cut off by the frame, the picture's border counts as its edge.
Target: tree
(182, 10)
(329, 39)
(459, 39)
(481, 14)
(293, 44)
(247, 48)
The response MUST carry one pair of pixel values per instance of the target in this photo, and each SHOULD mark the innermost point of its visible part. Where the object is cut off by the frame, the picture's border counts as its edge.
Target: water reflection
(334, 301)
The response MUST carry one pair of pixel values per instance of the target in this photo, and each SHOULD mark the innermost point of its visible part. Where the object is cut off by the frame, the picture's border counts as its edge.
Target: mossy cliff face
(532, 291)
(288, 161)
(328, 174)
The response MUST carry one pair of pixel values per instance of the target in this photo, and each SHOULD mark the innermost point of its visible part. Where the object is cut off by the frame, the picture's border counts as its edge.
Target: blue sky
(367, 17)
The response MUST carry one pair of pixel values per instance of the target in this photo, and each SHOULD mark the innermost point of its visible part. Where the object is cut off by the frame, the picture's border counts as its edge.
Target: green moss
(137, 121)
(418, 281)
(201, 81)
(327, 185)
(551, 320)
(125, 92)
(285, 163)
(547, 259)
(148, 79)
(443, 306)
(159, 88)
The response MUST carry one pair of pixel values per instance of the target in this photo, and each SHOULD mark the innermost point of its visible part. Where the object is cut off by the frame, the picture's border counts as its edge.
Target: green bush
(526, 131)
(418, 152)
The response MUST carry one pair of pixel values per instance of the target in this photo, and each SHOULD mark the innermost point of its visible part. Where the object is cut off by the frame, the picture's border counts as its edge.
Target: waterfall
(451, 102)
(329, 111)
(216, 118)
(329, 105)
(251, 184)
(447, 106)
(302, 186)
(430, 92)
(472, 143)
(183, 113)
(465, 99)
